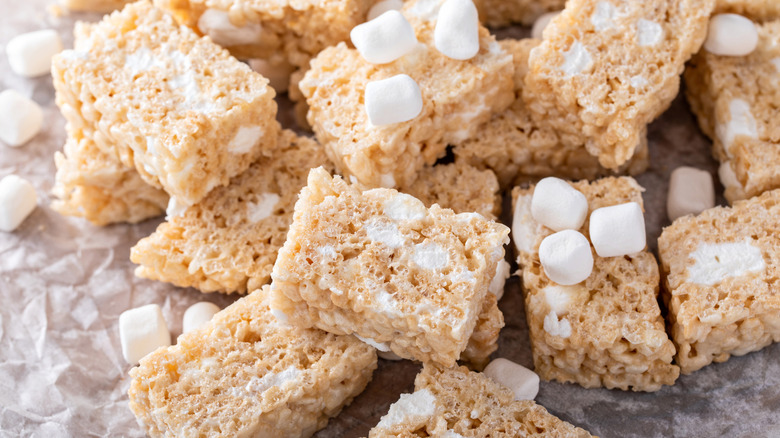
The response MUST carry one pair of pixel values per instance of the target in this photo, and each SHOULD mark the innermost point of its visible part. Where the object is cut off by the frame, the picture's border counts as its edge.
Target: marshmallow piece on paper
(20, 118)
(198, 314)
(383, 6)
(217, 25)
(456, 34)
(731, 35)
(557, 205)
(541, 23)
(691, 191)
(30, 54)
(17, 200)
(393, 100)
(523, 382)
(141, 331)
(618, 230)
(385, 38)
(566, 257)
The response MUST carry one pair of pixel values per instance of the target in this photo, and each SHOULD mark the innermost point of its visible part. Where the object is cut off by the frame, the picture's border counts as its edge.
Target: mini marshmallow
(618, 230)
(498, 282)
(393, 100)
(20, 118)
(457, 30)
(277, 73)
(385, 38)
(383, 6)
(541, 23)
(558, 205)
(197, 315)
(141, 331)
(523, 382)
(731, 35)
(691, 191)
(30, 54)
(566, 257)
(217, 25)
(17, 200)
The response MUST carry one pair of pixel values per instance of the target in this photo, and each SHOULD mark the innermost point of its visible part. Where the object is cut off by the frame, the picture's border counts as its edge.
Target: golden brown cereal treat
(246, 374)
(178, 108)
(457, 97)
(94, 5)
(518, 149)
(228, 242)
(720, 272)
(735, 99)
(498, 13)
(382, 266)
(760, 10)
(92, 184)
(608, 330)
(606, 69)
(456, 402)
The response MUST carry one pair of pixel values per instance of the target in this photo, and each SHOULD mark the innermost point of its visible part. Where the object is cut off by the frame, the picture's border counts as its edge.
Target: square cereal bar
(457, 97)
(607, 330)
(720, 272)
(228, 241)
(382, 266)
(246, 374)
(760, 10)
(178, 108)
(499, 13)
(606, 69)
(736, 100)
(94, 5)
(456, 402)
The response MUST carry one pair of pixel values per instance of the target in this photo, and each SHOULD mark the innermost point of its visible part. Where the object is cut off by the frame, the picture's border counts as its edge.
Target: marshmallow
(558, 206)
(384, 39)
(731, 35)
(141, 331)
(20, 118)
(17, 200)
(541, 24)
(197, 315)
(277, 73)
(618, 230)
(523, 382)
(496, 286)
(691, 191)
(30, 54)
(389, 355)
(457, 30)
(383, 6)
(217, 25)
(727, 176)
(393, 100)
(566, 257)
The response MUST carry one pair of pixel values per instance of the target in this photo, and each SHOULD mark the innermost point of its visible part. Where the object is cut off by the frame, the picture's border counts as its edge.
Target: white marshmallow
(277, 73)
(727, 176)
(576, 60)
(566, 257)
(383, 6)
(731, 35)
(20, 118)
(715, 262)
(141, 331)
(496, 286)
(431, 256)
(389, 355)
(30, 54)
(457, 30)
(403, 207)
(17, 200)
(618, 230)
(384, 39)
(217, 25)
(393, 100)
(541, 24)
(649, 33)
(263, 208)
(523, 382)
(557, 327)
(691, 191)
(197, 315)
(558, 205)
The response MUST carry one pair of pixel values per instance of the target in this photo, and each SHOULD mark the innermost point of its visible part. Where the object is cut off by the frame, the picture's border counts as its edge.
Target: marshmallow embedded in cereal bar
(720, 276)
(382, 266)
(178, 108)
(606, 330)
(246, 374)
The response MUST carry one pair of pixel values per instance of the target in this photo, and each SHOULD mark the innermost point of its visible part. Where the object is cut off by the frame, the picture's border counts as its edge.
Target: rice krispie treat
(517, 148)
(606, 69)
(228, 242)
(456, 97)
(94, 5)
(761, 10)
(92, 184)
(720, 272)
(606, 330)
(178, 108)
(456, 402)
(382, 266)
(246, 374)
(735, 99)
(499, 13)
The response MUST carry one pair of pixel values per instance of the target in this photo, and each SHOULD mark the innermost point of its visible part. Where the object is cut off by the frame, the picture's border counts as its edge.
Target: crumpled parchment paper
(64, 282)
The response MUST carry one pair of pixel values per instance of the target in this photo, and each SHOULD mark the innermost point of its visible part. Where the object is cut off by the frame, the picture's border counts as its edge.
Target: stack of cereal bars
(379, 233)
